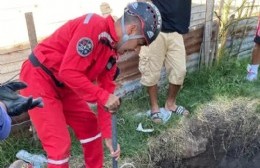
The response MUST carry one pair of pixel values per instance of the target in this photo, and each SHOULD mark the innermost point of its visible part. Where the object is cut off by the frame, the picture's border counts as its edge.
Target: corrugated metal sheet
(240, 40)
(129, 78)
(193, 62)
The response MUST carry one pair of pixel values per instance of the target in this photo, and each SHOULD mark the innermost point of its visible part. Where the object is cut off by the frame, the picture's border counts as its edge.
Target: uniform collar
(112, 30)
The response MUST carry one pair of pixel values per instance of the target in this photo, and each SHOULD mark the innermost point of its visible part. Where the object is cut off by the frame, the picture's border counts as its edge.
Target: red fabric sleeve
(74, 66)
(105, 117)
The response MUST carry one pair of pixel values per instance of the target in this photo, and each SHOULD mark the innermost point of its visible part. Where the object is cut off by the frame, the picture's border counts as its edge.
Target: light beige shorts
(167, 50)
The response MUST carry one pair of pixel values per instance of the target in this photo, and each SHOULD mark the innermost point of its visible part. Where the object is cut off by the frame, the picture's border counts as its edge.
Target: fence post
(219, 16)
(207, 33)
(33, 42)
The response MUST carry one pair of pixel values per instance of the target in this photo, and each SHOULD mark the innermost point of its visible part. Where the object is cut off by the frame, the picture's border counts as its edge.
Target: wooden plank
(31, 29)
(207, 32)
(13, 57)
(219, 14)
(193, 62)
(33, 43)
(198, 9)
(197, 23)
(8, 76)
(17, 47)
(13, 48)
(198, 2)
(11, 67)
(198, 16)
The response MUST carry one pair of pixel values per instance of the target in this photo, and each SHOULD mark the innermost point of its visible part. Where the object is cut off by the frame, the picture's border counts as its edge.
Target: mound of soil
(222, 134)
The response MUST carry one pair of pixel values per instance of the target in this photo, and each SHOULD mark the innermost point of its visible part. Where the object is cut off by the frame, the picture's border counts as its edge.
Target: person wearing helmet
(167, 50)
(252, 69)
(76, 65)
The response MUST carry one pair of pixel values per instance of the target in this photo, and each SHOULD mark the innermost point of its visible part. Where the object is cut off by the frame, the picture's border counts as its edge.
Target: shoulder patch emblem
(84, 46)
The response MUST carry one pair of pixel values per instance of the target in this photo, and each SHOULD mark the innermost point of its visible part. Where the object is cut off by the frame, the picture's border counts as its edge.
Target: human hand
(114, 154)
(113, 103)
(15, 103)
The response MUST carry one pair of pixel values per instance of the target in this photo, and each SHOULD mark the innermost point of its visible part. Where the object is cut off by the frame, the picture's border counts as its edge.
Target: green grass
(225, 80)
(9, 147)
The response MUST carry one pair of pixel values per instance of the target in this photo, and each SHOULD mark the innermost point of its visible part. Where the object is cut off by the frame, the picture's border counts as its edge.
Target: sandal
(180, 110)
(163, 115)
(156, 117)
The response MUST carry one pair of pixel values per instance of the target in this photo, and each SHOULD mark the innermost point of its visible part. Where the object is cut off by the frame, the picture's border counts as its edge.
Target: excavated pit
(222, 134)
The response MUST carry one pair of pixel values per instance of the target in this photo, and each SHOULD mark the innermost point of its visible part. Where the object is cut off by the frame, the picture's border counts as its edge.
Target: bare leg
(256, 54)
(253, 67)
(171, 98)
(152, 91)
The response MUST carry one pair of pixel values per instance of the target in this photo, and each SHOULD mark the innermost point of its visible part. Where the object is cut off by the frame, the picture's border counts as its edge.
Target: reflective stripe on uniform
(58, 162)
(88, 17)
(83, 141)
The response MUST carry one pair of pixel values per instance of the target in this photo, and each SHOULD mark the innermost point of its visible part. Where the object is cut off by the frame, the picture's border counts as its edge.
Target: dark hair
(130, 19)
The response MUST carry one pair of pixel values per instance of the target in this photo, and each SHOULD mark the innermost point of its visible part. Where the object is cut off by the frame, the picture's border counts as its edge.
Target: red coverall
(78, 54)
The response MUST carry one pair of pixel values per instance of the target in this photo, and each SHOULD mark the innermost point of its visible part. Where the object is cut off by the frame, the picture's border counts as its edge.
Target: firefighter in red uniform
(76, 65)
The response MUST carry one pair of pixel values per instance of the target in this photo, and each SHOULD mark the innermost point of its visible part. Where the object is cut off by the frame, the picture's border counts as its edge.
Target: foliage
(231, 13)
